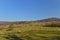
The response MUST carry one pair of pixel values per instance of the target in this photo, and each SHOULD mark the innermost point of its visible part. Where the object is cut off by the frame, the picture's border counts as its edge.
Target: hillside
(31, 30)
(42, 22)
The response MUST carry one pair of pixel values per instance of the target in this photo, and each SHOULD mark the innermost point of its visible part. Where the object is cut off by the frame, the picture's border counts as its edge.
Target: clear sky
(15, 10)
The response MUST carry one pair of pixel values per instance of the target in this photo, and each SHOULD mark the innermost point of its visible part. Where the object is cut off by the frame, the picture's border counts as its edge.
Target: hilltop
(49, 20)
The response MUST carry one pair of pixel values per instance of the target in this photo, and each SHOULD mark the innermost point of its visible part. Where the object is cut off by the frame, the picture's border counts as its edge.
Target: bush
(52, 24)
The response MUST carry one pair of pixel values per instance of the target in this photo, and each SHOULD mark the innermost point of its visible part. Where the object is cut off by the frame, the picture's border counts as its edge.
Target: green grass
(30, 33)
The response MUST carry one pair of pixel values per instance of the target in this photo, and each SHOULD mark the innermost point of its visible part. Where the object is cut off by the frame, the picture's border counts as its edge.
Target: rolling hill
(30, 30)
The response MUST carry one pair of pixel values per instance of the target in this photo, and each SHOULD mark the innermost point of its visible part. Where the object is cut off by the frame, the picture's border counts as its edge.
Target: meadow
(29, 32)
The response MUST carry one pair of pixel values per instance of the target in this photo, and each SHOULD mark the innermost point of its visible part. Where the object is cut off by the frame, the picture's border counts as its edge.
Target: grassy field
(30, 32)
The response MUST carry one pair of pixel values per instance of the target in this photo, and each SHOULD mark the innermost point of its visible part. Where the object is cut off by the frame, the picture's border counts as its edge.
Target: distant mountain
(43, 20)
(3, 22)
(49, 20)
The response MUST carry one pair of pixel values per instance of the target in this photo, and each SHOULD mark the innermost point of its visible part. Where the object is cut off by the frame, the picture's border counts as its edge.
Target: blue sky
(15, 10)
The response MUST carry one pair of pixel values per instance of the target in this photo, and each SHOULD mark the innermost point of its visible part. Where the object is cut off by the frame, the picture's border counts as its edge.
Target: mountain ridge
(49, 20)
(42, 20)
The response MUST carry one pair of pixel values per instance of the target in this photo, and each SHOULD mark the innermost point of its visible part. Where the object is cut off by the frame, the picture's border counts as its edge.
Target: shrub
(52, 24)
